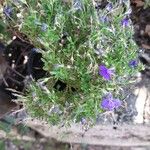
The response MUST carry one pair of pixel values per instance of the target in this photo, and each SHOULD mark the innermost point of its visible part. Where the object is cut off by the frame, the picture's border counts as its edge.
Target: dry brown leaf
(146, 46)
(139, 3)
(147, 29)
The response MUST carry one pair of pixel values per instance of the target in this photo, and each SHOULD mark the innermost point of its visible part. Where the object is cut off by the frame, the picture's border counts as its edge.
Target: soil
(140, 17)
(100, 137)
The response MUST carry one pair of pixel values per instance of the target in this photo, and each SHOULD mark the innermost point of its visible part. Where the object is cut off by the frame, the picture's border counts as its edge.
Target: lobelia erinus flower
(105, 72)
(133, 63)
(110, 103)
(125, 22)
(7, 10)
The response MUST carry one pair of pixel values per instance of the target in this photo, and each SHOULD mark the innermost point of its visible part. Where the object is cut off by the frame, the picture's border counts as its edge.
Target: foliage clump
(75, 42)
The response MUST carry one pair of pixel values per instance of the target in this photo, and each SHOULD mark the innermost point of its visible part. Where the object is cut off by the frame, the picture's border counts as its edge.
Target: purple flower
(44, 27)
(109, 103)
(109, 7)
(105, 72)
(7, 11)
(125, 22)
(83, 121)
(104, 19)
(133, 63)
